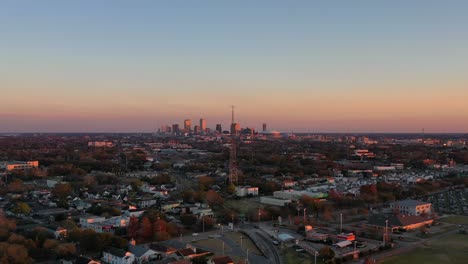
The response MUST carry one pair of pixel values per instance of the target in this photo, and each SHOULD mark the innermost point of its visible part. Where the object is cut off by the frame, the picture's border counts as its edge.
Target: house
(113, 255)
(103, 225)
(59, 232)
(411, 207)
(243, 191)
(165, 251)
(398, 221)
(220, 260)
(143, 254)
(147, 202)
(85, 260)
(191, 252)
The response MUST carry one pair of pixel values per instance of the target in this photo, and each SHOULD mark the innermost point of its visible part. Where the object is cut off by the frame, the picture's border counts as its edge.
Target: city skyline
(116, 66)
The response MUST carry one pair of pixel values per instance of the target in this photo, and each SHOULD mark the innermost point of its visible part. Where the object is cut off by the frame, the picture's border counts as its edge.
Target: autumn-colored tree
(18, 254)
(89, 180)
(16, 186)
(62, 190)
(326, 253)
(206, 221)
(159, 226)
(162, 236)
(133, 227)
(231, 188)
(205, 182)
(146, 228)
(9, 224)
(21, 208)
(370, 189)
(173, 229)
(16, 239)
(188, 219)
(65, 249)
(214, 199)
(50, 244)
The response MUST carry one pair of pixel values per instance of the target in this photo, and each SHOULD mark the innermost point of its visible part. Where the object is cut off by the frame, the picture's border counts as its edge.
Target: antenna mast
(233, 155)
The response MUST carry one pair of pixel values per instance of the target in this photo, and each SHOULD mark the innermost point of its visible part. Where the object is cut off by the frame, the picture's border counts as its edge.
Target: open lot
(450, 249)
(458, 219)
(213, 244)
(243, 206)
(246, 242)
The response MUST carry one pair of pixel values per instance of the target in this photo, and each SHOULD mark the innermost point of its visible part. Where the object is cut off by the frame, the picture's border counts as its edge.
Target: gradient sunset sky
(302, 66)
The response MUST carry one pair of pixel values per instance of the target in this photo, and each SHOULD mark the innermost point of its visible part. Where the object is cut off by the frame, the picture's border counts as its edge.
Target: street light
(305, 209)
(386, 234)
(315, 257)
(203, 223)
(341, 223)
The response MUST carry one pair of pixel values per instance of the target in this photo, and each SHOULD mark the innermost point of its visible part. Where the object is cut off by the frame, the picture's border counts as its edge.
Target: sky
(300, 66)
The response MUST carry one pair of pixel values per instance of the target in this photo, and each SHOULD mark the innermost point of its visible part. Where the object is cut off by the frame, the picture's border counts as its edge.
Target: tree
(50, 244)
(18, 254)
(173, 229)
(62, 190)
(133, 227)
(146, 228)
(22, 208)
(231, 189)
(7, 223)
(205, 182)
(326, 253)
(188, 219)
(89, 180)
(206, 221)
(16, 186)
(214, 199)
(65, 249)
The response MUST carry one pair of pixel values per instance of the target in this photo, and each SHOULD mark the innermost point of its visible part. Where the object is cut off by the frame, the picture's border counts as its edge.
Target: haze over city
(302, 66)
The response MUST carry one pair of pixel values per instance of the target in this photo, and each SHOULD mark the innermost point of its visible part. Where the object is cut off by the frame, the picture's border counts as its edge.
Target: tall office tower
(203, 125)
(235, 129)
(197, 129)
(165, 129)
(264, 127)
(188, 125)
(233, 151)
(175, 129)
(219, 129)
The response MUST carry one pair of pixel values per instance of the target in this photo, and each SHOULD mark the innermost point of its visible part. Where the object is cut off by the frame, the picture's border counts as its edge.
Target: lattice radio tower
(233, 155)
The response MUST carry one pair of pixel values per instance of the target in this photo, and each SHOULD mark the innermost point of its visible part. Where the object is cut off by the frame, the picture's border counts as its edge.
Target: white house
(243, 191)
(412, 207)
(113, 255)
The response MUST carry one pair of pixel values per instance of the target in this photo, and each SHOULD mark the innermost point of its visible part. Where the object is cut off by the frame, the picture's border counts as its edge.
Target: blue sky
(298, 65)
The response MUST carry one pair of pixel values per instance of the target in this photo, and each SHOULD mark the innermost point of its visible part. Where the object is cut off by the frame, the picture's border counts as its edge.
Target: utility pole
(341, 223)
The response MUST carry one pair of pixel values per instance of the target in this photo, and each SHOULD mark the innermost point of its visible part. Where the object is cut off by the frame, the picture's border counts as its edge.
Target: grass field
(213, 244)
(243, 205)
(246, 242)
(458, 219)
(448, 250)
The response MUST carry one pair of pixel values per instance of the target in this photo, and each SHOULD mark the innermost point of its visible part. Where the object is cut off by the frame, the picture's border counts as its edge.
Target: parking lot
(450, 202)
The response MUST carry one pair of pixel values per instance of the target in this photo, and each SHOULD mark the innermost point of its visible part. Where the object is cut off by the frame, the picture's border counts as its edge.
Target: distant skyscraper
(175, 128)
(203, 125)
(197, 129)
(235, 128)
(219, 129)
(188, 125)
(165, 129)
(264, 127)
